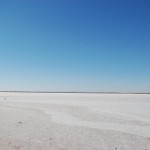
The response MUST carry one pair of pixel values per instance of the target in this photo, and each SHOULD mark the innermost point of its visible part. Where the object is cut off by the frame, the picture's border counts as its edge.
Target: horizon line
(75, 92)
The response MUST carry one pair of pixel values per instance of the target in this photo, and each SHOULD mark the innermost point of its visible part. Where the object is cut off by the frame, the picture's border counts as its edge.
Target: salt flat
(67, 121)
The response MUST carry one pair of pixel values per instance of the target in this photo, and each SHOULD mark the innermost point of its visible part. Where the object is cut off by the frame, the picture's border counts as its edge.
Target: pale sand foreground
(74, 121)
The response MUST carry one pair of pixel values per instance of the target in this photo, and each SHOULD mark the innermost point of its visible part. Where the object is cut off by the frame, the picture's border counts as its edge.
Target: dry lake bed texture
(71, 121)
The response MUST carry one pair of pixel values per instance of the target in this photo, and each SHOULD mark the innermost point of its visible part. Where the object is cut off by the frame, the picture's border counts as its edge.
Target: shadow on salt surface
(65, 118)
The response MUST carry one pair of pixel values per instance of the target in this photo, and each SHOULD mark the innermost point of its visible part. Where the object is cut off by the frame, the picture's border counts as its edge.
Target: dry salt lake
(74, 121)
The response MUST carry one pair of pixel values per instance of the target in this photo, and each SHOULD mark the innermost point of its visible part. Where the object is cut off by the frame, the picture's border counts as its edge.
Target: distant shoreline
(74, 92)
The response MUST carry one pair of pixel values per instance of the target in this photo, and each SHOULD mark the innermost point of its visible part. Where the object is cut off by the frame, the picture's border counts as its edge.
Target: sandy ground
(74, 121)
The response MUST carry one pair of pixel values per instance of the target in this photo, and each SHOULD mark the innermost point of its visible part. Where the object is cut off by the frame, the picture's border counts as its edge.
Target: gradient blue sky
(72, 45)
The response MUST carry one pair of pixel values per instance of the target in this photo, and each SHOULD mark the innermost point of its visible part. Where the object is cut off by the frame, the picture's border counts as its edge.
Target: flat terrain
(67, 121)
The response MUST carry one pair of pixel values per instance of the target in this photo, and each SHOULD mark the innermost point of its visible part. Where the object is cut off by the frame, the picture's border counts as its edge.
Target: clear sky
(75, 45)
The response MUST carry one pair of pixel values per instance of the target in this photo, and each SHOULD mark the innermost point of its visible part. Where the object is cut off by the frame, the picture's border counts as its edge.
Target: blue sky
(63, 45)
